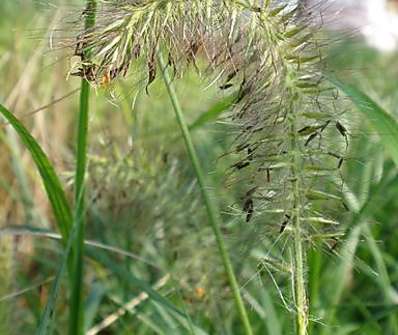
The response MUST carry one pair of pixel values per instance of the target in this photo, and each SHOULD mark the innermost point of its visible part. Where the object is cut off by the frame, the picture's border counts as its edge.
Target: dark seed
(284, 224)
(231, 75)
(226, 86)
(151, 71)
(324, 126)
(241, 165)
(250, 154)
(310, 138)
(242, 147)
(303, 130)
(342, 130)
(268, 175)
(334, 243)
(248, 207)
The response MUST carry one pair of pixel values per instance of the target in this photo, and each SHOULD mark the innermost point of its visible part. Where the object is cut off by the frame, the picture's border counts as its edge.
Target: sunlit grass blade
(211, 207)
(52, 184)
(385, 124)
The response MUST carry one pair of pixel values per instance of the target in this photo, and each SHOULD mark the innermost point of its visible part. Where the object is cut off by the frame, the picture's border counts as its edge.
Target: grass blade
(93, 302)
(52, 185)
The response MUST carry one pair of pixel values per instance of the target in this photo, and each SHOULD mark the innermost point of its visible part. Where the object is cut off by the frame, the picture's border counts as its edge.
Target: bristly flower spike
(284, 109)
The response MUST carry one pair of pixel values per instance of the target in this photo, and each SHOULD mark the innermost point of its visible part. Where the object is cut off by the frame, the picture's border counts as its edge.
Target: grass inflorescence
(284, 111)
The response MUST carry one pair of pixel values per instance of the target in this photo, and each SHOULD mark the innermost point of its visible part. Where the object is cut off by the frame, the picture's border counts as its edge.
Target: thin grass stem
(212, 211)
(300, 295)
(76, 321)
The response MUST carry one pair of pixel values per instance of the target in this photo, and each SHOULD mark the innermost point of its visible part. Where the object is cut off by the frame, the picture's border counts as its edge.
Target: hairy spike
(272, 55)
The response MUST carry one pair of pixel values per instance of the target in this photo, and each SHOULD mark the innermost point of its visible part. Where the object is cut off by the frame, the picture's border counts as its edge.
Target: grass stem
(299, 288)
(76, 323)
(212, 211)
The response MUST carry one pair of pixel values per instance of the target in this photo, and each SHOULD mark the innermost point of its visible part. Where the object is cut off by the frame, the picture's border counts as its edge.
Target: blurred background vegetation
(145, 217)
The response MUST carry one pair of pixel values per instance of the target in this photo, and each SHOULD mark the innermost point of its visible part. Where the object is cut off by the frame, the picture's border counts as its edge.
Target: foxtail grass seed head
(270, 53)
(290, 138)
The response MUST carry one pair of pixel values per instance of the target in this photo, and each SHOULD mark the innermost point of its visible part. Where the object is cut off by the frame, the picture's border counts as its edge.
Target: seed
(248, 207)
(284, 224)
(226, 86)
(310, 138)
(240, 165)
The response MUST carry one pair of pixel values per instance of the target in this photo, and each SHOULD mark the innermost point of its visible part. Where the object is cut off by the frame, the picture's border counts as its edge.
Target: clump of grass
(270, 53)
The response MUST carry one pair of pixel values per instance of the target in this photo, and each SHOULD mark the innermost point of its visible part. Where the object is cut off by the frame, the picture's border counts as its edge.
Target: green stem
(76, 322)
(300, 291)
(212, 211)
(298, 248)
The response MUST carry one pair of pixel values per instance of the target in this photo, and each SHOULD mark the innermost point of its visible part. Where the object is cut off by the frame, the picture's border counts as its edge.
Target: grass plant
(303, 166)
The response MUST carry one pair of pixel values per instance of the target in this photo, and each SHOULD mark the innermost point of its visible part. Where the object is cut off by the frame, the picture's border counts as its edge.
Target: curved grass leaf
(385, 124)
(51, 182)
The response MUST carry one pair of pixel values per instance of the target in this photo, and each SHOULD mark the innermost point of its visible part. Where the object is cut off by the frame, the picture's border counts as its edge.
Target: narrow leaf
(51, 182)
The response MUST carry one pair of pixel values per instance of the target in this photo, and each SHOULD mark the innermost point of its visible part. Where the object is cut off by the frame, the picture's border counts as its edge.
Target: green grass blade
(93, 302)
(385, 124)
(211, 207)
(52, 185)
(214, 111)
